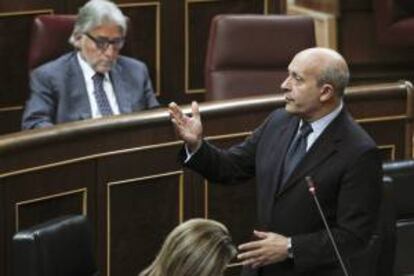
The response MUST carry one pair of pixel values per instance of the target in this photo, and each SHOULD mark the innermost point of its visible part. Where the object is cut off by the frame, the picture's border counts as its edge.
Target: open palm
(189, 129)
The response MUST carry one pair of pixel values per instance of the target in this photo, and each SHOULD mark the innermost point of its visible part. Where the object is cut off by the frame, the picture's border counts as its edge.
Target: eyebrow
(296, 74)
(109, 38)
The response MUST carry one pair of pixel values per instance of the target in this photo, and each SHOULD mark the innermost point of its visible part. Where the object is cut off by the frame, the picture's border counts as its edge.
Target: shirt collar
(87, 69)
(319, 125)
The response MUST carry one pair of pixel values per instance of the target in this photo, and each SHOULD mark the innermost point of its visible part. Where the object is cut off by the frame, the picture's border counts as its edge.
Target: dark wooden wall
(169, 35)
(359, 40)
(122, 172)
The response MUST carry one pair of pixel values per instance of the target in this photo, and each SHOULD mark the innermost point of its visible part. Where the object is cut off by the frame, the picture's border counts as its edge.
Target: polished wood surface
(122, 172)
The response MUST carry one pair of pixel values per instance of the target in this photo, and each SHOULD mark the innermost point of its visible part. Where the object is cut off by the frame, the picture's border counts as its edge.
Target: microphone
(312, 191)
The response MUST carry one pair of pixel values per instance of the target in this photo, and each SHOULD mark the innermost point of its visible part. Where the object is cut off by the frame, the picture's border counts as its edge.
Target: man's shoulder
(280, 116)
(125, 61)
(352, 132)
(56, 66)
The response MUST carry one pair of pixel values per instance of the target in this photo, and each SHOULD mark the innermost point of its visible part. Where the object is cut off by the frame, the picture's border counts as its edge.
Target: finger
(172, 106)
(176, 114)
(250, 254)
(195, 110)
(175, 123)
(253, 262)
(171, 113)
(250, 245)
(258, 261)
(257, 264)
(260, 234)
(175, 110)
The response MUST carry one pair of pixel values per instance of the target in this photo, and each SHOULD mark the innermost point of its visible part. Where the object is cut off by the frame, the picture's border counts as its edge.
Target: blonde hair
(199, 247)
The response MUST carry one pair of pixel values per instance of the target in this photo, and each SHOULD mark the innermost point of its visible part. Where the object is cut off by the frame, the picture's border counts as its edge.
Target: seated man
(92, 81)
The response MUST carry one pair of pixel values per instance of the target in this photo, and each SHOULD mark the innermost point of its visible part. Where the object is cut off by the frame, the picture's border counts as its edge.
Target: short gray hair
(337, 76)
(95, 13)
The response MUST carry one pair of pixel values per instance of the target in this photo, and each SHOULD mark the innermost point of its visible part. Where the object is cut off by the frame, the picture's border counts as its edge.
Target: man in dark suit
(93, 81)
(313, 136)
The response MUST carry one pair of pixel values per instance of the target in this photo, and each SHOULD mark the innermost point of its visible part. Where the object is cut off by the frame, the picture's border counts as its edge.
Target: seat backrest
(248, 55)
(394, 21)
(49, 38)
(62, 246)
(386, 231)
(402, 173)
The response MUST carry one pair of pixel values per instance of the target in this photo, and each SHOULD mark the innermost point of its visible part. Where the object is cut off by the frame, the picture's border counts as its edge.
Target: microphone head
(311, 185)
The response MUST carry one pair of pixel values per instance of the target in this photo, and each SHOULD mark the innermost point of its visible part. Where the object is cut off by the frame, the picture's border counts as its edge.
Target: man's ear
(327, 92)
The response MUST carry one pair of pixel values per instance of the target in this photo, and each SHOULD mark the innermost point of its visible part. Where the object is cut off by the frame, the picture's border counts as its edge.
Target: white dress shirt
(88, 73)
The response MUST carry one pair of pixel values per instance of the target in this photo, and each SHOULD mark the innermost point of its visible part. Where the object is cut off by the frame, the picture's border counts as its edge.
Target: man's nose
(285, 85)
(111, 51)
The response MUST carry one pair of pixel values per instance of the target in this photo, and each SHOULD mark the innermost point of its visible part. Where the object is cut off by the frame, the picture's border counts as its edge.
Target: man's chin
(103, 68)
(289, 108)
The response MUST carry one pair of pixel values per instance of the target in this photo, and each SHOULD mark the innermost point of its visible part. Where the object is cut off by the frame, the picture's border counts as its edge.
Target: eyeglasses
(102, 43)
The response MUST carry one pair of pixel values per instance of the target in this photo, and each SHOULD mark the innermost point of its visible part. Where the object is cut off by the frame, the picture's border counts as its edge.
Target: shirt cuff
(290, 248)
(189, 153)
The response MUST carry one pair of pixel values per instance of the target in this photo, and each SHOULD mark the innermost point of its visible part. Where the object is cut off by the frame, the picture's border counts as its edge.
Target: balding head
(316, 82)
(332, 67)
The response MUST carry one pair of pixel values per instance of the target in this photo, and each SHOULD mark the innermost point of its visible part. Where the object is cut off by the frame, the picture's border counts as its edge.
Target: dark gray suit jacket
(58, 91)
(346, 167)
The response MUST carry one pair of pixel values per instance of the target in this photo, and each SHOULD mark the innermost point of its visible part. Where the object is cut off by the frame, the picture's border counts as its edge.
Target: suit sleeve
(226, 166)
(40, 108)
(356, 217)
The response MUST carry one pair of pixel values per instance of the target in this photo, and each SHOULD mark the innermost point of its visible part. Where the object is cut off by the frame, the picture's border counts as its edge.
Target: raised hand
(189, 129)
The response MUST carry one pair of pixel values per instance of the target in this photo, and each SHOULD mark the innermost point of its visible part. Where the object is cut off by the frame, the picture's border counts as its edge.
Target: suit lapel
(77, 88)
(286, 135)
(323, 148)
(120, 90)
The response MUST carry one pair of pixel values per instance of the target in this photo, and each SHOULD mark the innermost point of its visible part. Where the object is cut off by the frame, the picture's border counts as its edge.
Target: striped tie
(100, 95)
(297, 150)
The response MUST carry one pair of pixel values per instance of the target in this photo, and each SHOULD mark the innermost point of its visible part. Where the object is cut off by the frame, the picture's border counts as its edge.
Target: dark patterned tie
(100, 95)
(296, 151)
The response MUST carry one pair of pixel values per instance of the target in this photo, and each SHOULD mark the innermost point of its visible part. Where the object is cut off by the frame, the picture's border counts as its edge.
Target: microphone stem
(330, 235)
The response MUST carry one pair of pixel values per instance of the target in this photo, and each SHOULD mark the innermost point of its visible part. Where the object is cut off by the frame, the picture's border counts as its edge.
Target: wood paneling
(145, 42)
(355, 20)
(241, 210)
(39, 196)
(39, 210)
(10, 119)
(3, 257)
(142, 223)
(14, 40)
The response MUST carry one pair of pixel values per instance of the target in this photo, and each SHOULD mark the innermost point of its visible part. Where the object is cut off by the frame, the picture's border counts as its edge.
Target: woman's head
(196, 247)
